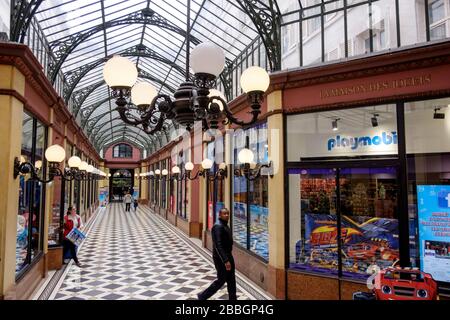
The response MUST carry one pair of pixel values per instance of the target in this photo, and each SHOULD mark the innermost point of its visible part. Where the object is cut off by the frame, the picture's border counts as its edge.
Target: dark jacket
(222, 241)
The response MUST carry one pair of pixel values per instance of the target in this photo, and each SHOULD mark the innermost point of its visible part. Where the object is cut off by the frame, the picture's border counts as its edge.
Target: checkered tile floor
(129, 255)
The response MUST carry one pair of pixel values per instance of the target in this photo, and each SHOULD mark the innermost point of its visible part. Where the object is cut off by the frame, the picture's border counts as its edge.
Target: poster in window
(365, 241)
(433, 203)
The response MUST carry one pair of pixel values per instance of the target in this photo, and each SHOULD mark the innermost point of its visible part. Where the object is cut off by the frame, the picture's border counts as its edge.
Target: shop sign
(433, 203)
(352, 143)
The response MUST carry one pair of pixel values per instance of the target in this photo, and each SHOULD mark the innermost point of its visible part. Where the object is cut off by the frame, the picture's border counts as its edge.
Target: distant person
(135, 204)
(71, 220)
(127, 200)
(223, 258)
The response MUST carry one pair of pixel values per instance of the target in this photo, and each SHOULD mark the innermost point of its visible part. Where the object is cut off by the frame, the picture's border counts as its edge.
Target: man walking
(127, 200)
(223, 259)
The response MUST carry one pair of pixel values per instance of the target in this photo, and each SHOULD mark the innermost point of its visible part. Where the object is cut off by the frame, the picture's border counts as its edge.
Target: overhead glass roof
(82, 33)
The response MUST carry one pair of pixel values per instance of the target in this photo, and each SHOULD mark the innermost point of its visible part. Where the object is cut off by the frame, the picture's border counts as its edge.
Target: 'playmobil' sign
(353, 143)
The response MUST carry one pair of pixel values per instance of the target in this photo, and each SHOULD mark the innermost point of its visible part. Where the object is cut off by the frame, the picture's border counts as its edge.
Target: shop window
(250, 199)
(428, 155)
(122, 151)
(164, 184)
(346, 213)
(31, 195)
(343, 216)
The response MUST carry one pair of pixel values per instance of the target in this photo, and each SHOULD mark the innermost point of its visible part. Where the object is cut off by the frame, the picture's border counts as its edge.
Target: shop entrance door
(350, 218)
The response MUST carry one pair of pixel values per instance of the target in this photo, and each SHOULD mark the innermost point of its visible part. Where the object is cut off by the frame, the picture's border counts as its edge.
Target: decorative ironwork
(62, 48)
(267, 20)
(73, 77)
(250, 173)
(21, 16)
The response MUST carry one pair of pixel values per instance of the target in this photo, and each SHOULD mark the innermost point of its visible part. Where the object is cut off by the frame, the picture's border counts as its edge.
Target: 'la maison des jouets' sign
(376, 86)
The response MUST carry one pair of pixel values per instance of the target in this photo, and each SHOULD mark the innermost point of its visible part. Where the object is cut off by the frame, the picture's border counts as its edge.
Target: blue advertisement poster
(433, 203)
(103, 197)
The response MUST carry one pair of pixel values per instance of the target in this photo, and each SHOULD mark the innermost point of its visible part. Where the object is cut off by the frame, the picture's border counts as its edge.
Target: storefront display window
(428, 156)
(163, 165)
(31, 195)
(343, 202)
(250, 198)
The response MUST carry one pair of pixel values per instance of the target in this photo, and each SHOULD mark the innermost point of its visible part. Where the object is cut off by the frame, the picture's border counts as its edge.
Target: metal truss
(73, 77)
(22, 14)
(145, 140)
(81, 95)
(62, 48)
(267, 20)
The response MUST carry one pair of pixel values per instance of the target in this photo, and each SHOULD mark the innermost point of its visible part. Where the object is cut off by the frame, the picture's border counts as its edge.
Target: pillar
(143, 196)
(12, 82)
(276, 268)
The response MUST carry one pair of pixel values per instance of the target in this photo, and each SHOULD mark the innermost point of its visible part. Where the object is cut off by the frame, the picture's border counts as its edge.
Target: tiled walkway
(130, 255)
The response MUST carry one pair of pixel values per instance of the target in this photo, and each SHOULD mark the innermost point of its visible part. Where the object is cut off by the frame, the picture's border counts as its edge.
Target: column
(12, 82)
(143, 196)
(277, 273)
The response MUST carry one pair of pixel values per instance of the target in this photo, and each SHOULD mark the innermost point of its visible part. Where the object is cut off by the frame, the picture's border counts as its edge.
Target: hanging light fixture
(193, 100)
(334, 124)
(374, 120)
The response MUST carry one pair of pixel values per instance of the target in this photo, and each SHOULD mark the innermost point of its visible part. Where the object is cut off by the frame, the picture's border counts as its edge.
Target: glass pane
(358, 30)
(25, 190)
(384, 25)
(369, 219)
(334, 37)
(240, 210)
(259, 216)
(311, 41)
(426, 122)
(39, 195)
(412, 22)
(313, 220)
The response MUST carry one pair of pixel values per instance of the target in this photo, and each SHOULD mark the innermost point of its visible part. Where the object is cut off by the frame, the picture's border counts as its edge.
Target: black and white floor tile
(135, 255)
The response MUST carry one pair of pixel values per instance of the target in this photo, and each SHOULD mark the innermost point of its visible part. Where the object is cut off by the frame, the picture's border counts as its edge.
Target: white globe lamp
(255, 79)
(83, 166)
(143, 93)
(55, 153)
(245, 156)
(207, 164)
(120, 73)
(189, 166)
(207, 58)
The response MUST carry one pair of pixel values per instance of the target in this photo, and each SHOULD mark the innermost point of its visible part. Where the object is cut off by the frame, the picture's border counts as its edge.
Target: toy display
(401, 284)
(374, 241)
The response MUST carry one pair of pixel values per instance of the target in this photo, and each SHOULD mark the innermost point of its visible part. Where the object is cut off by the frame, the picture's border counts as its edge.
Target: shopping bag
(76, 236)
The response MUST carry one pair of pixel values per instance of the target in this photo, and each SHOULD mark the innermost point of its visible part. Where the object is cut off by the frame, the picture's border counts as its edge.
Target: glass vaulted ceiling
(220, 21)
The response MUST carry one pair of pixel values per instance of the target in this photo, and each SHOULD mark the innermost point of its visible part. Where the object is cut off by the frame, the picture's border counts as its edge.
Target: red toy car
(367, 251)
(405, 284)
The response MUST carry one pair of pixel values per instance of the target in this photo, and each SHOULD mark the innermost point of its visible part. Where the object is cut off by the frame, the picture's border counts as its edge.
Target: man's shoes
(79, 265)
